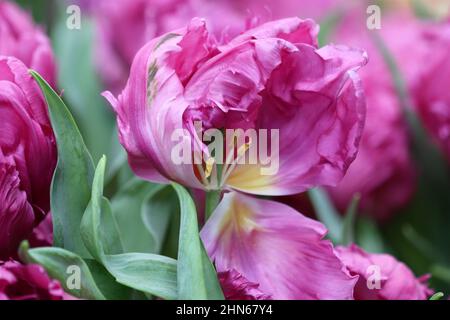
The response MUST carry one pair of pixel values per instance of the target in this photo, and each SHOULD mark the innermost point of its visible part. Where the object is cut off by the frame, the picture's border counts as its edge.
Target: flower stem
(212, 200)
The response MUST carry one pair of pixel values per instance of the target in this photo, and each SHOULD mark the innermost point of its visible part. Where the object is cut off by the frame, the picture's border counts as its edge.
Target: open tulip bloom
(269, 160)
(287, 115)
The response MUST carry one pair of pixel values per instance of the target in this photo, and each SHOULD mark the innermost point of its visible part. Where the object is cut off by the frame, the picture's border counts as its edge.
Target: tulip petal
(319, 109)
(293, 30)
(274, 246)
(150, 108)
(397, 282)
(16, 214)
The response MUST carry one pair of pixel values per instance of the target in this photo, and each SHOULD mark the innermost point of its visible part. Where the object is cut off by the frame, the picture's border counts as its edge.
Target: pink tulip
(279, 251)
(278, 9)
(382, 277)
(431, 87)
(383, 172)
(28, 282)
(27, 155)
(20, 38)
(124, 26)
(270, 78)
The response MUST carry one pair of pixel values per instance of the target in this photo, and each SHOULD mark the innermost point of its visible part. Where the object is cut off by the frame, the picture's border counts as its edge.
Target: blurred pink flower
(275, 247)
(382, 277)
(28, 282)
(383, 172)
(270, 77)
(431, 87)
(278, 9)
(20, 38)
(27, 155)
(124, 26)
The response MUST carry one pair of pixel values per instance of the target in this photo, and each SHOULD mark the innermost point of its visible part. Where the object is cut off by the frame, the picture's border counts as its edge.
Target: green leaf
(348, 227)
(72, 180)
(327, 213)
(421, 11)
(91, 223)
(152, 274)
(437, 296)
(56, 262)
(78, 77)
(157, 212)
(111, 289)
(149, 273)
(39, 9)
(327, 26)
(128, 206)
(197, 279)
(368, 235)
(441, 272)
(212, 200)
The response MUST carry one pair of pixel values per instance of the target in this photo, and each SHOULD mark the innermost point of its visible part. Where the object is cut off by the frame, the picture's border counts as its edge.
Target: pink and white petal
(151, 107)
(319, 110)
(274, 246)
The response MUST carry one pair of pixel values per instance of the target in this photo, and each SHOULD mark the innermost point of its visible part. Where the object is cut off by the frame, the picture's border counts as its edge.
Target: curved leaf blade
(149, 273)
(197, 278)
(56, 262)
(72, 180)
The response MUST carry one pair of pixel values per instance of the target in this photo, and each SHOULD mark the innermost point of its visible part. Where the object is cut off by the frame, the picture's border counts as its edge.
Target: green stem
(212, 200)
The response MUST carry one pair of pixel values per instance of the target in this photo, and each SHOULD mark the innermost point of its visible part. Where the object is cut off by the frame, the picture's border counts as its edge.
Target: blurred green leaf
(41, 10)
(197, 278)
(441, 272)
(327, 27)
(157, 213)
(421, 10)
(72, 180)
(56, 262)
(128, 205)
(368, 235)
(211, 202)
(348, 227)
(82, 89)
(437, 296)
(327, 213)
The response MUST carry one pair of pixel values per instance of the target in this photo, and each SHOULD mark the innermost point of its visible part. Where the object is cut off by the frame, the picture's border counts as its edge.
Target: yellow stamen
(209, 166)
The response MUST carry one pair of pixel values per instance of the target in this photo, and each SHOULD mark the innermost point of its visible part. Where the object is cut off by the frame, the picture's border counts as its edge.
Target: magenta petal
(293, 30)
(151, 107)
(42, 235)
(27, 155)
(28, 282)
(315, 99)
(397, 282)
(16, 214)
(270, 78)
(20, 38)
(274, 246)
(236, 287)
